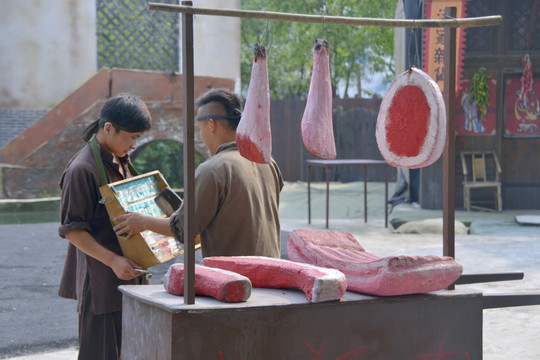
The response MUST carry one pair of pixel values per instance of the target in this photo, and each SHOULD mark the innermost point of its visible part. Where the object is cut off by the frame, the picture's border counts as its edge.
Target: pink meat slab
(253, 134)
(317, 130)
(368, 274)
(220, 284)
(318, 283)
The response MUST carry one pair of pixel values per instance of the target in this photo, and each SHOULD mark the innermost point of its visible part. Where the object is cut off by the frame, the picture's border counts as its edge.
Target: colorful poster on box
(433, 59)
(471, 119)
(521, 110)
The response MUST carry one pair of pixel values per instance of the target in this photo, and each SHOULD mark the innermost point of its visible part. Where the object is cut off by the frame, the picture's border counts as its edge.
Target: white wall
(47, 50)
(217, 42)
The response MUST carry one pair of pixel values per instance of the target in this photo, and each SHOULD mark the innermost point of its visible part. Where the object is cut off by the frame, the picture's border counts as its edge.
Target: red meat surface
(222, 285)
(367, 273)
(318, 283)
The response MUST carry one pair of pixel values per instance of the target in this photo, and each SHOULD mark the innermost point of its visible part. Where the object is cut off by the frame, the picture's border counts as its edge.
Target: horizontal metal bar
(500, 301)
(335, 20)
(482, 278)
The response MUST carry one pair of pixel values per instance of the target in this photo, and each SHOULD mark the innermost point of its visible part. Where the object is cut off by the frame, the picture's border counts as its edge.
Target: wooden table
(283, 324)
(329, 164)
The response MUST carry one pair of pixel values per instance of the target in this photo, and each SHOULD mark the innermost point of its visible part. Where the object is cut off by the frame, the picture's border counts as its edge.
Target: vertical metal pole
(449, 148)
(189, 157)
(365, 193)
(309, 193)
(327, 192)
(385, 196)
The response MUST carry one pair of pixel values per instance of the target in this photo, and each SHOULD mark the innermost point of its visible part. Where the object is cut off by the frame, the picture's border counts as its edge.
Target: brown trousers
(100, 336)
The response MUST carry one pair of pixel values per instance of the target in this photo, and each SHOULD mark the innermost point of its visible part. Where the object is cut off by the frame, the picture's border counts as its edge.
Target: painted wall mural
(522, 107)
(472, 119)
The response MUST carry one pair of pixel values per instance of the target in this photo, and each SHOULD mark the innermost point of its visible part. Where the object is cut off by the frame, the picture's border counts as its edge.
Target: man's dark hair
(231, 102)
(125, 111)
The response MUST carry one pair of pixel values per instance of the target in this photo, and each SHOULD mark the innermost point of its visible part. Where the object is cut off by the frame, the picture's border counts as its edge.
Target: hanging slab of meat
(220, 284)
(411, 125)
(253, 134)
(368, 274)
(319, 284)
(317, 131)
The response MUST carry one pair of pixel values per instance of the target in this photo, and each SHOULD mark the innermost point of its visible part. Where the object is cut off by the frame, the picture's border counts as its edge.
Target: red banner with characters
(433, 60)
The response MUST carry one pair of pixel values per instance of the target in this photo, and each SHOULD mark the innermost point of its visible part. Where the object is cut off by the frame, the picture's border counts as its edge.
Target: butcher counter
(281, 324)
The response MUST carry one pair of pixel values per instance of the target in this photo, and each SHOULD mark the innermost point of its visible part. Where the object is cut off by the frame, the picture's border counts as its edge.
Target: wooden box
(137, 194)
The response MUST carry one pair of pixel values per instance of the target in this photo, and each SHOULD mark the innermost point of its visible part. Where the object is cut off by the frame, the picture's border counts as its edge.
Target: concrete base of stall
(282, 324)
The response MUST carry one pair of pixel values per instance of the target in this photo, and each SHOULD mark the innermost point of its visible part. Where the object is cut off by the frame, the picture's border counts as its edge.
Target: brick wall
(15, 121)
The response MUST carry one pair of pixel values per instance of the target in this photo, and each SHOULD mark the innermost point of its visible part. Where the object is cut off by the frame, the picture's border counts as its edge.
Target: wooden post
(448, 180)
(189, 155)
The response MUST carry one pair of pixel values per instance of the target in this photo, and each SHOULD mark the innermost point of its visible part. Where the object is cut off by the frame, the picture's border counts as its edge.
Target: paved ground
(36, 323)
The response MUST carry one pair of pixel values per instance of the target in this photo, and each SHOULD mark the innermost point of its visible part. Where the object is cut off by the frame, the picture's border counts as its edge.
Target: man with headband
(95, 265)
(236, 200)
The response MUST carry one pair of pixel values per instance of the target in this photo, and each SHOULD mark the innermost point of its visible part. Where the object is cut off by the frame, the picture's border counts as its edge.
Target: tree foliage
(168, 157)
(354, 51)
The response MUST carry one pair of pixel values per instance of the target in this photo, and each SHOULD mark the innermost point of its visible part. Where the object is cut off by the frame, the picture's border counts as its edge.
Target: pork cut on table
(365, 272)
(253, 134)
(318, 283)
(411, 125)
(220, 284)
(317, 131)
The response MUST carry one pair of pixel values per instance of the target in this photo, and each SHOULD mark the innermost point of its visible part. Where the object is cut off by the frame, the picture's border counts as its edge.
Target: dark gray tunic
(81, 210)
(236, 206)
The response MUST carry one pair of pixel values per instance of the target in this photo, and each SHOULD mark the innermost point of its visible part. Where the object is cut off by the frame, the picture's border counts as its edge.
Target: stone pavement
(36, 323)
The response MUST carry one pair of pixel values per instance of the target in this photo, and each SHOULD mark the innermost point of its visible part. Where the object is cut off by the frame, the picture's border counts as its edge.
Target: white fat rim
(434, 143)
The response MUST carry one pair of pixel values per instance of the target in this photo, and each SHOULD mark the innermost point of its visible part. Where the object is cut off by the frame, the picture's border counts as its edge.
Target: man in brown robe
(95, 265)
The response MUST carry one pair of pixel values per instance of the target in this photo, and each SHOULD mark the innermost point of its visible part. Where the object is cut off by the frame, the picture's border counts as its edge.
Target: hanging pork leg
(317, 131)
(253, 135)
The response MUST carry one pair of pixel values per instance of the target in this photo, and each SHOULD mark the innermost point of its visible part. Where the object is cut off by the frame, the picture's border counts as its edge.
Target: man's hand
(122, 267)
(125, 268)
(130, 223)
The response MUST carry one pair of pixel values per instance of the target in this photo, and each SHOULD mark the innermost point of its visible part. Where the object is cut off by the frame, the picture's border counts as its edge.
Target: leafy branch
(479, 89)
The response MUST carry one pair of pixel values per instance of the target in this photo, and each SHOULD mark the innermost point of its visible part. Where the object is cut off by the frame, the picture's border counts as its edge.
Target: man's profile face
(204, 127)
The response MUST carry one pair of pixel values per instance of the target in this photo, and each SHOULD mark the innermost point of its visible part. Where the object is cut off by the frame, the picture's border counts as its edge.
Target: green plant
(166, 156)
(479, 90)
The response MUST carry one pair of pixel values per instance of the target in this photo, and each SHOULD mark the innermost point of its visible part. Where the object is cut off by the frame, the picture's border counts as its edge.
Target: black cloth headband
(217, 117)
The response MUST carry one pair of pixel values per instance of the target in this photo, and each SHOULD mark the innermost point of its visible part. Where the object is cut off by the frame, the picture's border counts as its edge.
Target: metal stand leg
(327, 193)
(309, 193)
(365, 194)
(385, 196)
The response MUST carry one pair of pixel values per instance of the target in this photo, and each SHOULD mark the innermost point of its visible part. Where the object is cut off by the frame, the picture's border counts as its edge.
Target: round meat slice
(411, 125)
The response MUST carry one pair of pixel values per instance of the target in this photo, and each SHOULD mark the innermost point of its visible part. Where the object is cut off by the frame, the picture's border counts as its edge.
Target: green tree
(167, 156)
(356, 53)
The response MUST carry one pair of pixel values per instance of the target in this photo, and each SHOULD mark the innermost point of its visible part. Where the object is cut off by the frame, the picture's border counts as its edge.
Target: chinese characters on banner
(434, 41)
(470, 120)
